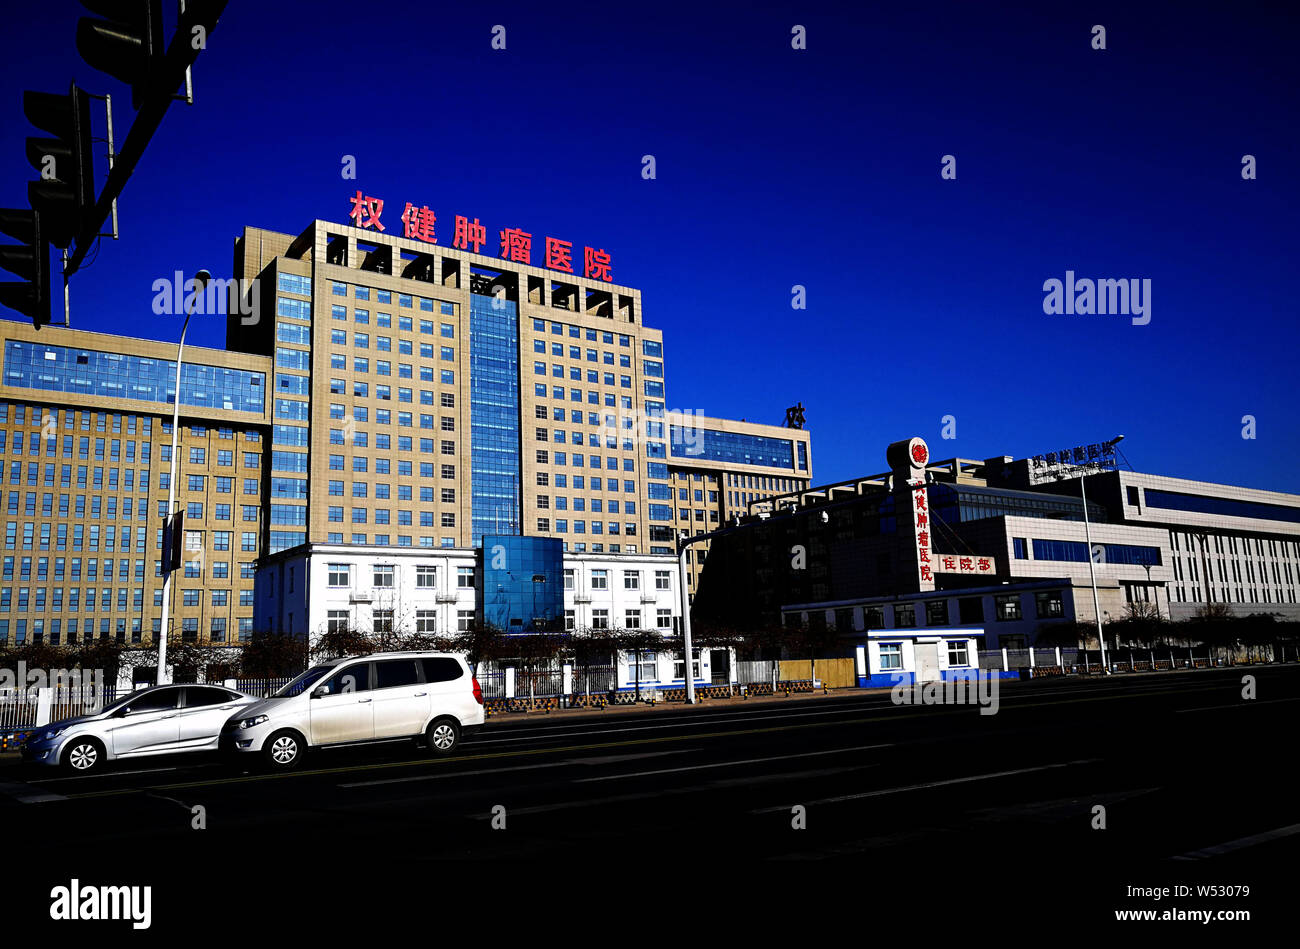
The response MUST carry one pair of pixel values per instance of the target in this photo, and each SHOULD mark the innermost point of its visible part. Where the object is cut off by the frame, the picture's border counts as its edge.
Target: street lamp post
(684, 540)
(201, 278)
(1092, 570)
(1092, 574)
(683, 544)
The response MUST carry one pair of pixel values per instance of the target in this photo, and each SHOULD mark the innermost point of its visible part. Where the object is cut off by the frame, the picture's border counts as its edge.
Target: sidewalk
(498, 719)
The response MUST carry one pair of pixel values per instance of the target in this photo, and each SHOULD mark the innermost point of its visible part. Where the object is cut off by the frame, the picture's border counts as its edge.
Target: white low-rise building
(317, 588)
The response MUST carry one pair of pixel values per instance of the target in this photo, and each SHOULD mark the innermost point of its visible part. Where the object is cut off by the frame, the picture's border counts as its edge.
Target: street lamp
(201, 278)
(684, 541)
(1092, 570)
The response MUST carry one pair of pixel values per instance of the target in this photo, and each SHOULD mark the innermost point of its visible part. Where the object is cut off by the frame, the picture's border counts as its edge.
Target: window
(1007, 607)
(631, 579)
(957, 653)
(971, 609)
(337, 621)
(679, 664)
(426, 621)
(465, 578)
(600, 579)
(904, 616)
(396, 673)
(340, 575)
(353, 678)
(936, 613)
(891, 656)
(645, 670)
(383, 577)
(663, 580)
(1049, 605)
(441, 669)
(426, 576)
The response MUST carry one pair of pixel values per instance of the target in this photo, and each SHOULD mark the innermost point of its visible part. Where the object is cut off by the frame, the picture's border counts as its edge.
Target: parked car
(162, 720)
(430, 696)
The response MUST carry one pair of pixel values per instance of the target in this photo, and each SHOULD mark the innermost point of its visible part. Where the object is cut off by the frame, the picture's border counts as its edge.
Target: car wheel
(284, 750)
(443, 736)
(83, 755)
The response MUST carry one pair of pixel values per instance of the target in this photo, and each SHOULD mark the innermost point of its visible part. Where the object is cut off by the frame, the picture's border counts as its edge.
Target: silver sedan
(162, 720)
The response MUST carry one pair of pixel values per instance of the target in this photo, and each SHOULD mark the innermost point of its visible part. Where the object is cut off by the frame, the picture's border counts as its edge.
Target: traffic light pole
(181, 54)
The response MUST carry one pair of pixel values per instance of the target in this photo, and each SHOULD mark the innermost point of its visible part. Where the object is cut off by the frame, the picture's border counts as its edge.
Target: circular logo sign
(920, 453)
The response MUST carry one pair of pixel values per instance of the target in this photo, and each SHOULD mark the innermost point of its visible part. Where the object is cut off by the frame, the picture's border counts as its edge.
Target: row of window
(404, 300)
(45, 569)
(385, 540)
(578, 332)
(59, 630)
(1048, 604)
(40, 599)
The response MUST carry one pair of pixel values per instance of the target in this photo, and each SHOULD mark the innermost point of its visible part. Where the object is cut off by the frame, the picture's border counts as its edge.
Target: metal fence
(750, 672)
(592, 680)
(261, 688)
(19, 707)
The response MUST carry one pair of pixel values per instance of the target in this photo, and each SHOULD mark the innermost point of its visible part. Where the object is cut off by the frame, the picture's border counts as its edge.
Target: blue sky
(778, 167)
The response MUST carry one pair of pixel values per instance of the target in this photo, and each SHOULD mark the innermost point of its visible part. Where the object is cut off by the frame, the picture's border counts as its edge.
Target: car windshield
(303, 682)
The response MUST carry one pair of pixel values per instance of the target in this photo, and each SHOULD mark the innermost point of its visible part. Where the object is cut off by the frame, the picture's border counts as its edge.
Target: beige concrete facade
(85, 477)
(708, 493)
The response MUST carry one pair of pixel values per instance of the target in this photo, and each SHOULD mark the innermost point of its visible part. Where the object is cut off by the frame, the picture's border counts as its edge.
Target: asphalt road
(913, 816)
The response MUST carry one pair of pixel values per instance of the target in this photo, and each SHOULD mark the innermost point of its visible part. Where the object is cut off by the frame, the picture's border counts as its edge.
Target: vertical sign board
(907, 460)
(921, 530)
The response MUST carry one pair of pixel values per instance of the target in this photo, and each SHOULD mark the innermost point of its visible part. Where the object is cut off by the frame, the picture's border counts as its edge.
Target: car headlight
(253, 722)
(53, 733)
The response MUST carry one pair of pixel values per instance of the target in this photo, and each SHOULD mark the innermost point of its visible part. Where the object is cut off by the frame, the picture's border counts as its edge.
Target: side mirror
(123, 712)
(320, 691)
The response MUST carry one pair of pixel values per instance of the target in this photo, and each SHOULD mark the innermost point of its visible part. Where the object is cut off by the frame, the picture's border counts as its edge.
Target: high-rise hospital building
(384, 406)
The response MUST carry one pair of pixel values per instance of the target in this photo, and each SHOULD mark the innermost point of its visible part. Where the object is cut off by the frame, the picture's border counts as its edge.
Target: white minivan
(387, 696)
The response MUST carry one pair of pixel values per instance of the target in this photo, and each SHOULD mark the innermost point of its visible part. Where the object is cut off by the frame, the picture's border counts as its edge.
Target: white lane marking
(26, 794)
(597, 760)
(728, 764)
(454, 774)
(525, 767)
(1241, 843)
(931, 784)
(122, 774)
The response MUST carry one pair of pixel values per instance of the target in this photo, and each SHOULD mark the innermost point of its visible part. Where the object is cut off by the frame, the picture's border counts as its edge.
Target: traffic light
(29, 260)
(65, 194)
(128, 44)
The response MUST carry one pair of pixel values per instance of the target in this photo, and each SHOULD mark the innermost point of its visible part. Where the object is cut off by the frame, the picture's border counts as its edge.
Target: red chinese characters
(366, 211)
(468, 232)
(517, 245)
(559, 254)
(922, 534)
(597, 265)
(417, 223)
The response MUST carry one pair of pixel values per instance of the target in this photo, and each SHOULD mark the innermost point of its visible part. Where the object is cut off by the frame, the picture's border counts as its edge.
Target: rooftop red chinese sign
(516, 244)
